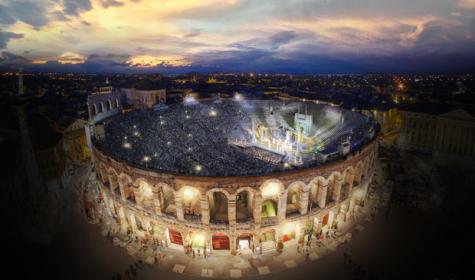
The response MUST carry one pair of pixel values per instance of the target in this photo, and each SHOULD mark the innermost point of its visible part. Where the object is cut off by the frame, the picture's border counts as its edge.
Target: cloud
(5, 37)
(10, 61)
(467, 4)
(74, 7)
(5, 16)
(32, 13)
(111, 3)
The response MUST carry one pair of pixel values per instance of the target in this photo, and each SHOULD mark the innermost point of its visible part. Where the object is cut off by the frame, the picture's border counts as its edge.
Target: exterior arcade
(235, 214)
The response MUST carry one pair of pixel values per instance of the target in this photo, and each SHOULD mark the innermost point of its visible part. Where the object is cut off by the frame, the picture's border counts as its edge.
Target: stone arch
(144, 193)
(102, 172)
(244, 204)
(358, 173)
(167, 197)
(108, 105)
(191, 202)
(218, 205)
(317, 188)
(117, 103)
(294, 194)
(335, 180)
(94, 110)
(113, 178)
(102, 109)
(271, 188)
(348, 177)
(124, 184)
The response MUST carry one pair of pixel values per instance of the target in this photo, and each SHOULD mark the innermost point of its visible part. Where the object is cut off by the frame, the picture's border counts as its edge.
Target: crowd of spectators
(193, 139)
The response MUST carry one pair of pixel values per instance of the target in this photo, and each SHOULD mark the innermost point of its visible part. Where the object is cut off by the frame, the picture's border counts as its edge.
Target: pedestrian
(193, 252)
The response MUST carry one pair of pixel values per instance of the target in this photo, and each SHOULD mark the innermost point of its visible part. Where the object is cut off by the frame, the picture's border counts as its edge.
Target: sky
(271, 36)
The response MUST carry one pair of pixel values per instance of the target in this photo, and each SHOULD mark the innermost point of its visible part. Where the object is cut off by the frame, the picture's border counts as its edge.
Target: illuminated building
(228, 192)
(445, 132)
(75, 142)
(144, 99)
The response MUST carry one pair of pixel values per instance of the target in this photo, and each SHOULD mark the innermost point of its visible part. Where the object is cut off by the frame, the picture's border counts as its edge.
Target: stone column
(322, 195)
(303, 201)
(133, 223)
(337, 183)
(351, 179)
(232, 241)
(256, 211)
(123, 194)
(180, 215)
(232, 211)
(204, 204)
(157, 203)
(282, 206)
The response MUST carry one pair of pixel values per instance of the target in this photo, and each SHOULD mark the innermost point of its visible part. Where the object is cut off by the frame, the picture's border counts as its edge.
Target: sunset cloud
(148, 34)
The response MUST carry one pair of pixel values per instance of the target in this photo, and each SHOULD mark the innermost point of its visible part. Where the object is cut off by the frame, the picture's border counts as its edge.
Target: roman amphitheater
(234, 177)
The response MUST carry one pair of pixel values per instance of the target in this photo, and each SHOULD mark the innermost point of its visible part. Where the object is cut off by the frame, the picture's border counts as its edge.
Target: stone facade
(233, 213)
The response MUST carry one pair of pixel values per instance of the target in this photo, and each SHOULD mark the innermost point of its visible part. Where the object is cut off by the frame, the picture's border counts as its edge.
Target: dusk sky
(289, 36)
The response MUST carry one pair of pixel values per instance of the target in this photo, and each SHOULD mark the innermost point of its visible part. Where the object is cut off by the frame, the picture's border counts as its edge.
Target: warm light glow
(213, 113)
(71, 58)
(198, 239)
(189, 194)
(127, 145)
(271, 189)
(152, 61)
(238, 97)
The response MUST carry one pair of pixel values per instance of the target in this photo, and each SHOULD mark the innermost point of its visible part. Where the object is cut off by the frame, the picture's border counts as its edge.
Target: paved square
(178, 268)
(235, 273)
(313, 256)
(207, 272)
(263, 270)
(290, 263)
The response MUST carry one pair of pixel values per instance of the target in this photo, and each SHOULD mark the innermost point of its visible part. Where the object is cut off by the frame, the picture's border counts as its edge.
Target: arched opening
(243, 206)
(218, 206)
(101, 107)
(293, 199)
(313, 195)
(108, 105)
(93, 110)
(244, 243)
(269, 208)
(197, 241)
(113, 180)
(174, 237)
(146, 195)
(347, 181)
(167, 200)
(267, 240)
(220, 241)
(191, 203)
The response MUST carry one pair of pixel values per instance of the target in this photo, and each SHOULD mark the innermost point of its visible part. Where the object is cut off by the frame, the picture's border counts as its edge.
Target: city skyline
(244, 36)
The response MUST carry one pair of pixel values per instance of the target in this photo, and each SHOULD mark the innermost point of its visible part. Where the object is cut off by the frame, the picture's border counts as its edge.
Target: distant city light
(213, 113)
(190, 100)
(127, 145)
(238, 97)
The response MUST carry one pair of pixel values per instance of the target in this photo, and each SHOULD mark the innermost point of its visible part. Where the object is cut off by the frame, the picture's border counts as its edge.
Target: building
(75, 142)
(48, 150)
(232, 208)
(443, 131)
(144, 99)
